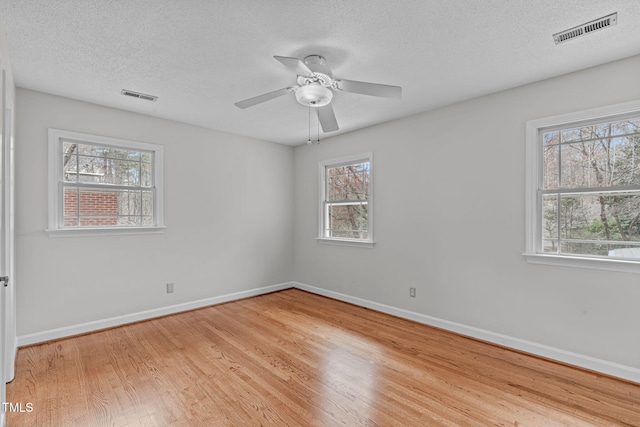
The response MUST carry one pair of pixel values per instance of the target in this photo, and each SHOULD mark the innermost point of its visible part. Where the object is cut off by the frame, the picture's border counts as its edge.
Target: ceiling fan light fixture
(315, 86)
(314, 95)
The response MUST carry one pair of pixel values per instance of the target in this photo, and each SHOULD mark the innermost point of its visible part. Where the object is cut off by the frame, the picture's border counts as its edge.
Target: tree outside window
(590, 196)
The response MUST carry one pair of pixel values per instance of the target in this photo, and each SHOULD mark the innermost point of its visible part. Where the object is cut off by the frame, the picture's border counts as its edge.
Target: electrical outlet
(169, 288)
(412, 292)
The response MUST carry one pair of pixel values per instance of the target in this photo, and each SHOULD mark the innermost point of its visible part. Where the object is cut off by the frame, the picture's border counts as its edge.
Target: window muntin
(346, 199)
(589, 194)
(99, 183)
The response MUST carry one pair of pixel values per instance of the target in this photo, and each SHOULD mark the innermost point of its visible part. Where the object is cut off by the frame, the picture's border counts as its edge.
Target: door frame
(9, 249)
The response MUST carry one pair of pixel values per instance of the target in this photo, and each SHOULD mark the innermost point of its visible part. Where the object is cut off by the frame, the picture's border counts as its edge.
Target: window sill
(345, 242)
(120, 231)
(627, 266)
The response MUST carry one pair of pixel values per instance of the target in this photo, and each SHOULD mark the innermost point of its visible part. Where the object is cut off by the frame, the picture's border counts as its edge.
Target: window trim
(322, 167)
(533, 180)
(55, 228)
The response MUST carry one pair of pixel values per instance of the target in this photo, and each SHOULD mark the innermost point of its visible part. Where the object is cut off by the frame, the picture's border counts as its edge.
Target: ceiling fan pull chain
(309, 140)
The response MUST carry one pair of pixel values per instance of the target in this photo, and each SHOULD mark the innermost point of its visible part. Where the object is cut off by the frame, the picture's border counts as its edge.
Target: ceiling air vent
(589, 27)
(138, 95)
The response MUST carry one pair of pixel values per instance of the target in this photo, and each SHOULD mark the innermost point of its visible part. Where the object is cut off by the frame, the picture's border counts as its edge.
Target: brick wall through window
(97, 208)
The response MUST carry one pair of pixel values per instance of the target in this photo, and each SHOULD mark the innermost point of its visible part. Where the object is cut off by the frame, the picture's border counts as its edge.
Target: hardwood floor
(294, 358)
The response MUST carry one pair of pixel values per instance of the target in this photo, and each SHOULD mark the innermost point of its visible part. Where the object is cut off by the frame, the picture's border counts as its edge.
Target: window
(100, 185)
(346, 201)
(584, 189)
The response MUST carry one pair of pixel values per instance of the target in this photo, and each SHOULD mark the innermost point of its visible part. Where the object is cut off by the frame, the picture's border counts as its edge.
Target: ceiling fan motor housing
(314, 90)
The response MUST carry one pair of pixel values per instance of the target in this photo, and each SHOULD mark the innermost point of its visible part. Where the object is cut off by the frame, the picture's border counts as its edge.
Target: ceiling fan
(315, 86)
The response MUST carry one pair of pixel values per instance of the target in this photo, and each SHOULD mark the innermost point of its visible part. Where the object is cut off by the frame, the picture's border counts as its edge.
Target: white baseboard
(575, 359)
(83, 328)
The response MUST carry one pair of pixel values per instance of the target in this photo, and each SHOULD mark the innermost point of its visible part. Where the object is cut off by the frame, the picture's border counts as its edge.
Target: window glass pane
(601, 163)
(135, 202)
(107, 165)
(336, 188)
(625, 127)
(121, 154)
(570, 135)
(70, 168)
(69, 148)
(354, 185)
(90, 150)
(69, 161)
(550, 246)
(550, 138)
(349, 182)
(550, 217)
(147, 203)
(595, 131)
(550, 164)
(575, 216)
(347, 221)
(625, 160)
(335, 171)
(91, 169)
(70, 205)
(123, 172)
(584, 133)
(96, 202)
(109, 152)
(582, 166)
(611, 217)
(102, 208)
(130, 203)
(109, 171)
(146, 175)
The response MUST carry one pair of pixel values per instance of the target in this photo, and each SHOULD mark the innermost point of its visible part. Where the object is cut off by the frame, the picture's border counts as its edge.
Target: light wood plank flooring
(294, 358)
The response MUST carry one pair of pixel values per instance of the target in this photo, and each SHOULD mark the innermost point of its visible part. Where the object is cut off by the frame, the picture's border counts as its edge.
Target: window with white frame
(584, 189)
(346, 200)
(103, 184)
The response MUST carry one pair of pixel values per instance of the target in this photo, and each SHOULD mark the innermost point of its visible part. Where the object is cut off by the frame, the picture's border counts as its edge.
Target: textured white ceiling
(201, 56)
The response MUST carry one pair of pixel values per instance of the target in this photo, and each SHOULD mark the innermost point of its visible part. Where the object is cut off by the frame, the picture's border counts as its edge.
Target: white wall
(228, 211)
(449, 220)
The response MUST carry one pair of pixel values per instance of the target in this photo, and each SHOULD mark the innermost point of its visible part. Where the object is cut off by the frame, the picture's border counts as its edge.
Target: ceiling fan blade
(327, 118)
(263, 98)
(372, 89)
(296, 65)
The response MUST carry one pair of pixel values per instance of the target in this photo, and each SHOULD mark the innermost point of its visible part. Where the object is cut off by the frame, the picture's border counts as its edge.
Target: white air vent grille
(589, 27)
(138, 95)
